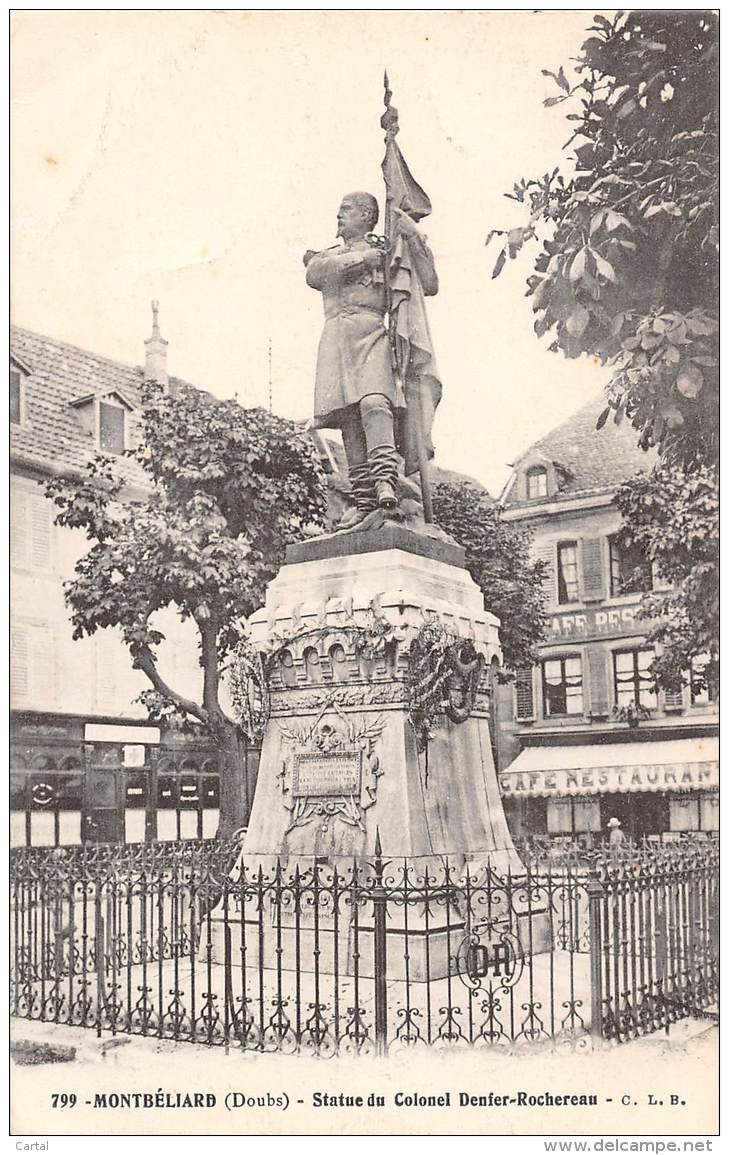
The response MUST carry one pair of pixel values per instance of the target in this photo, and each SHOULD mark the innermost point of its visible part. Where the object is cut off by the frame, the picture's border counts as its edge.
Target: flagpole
(415, 412)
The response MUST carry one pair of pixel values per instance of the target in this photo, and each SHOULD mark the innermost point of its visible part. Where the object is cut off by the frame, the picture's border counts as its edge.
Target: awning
(613, 767)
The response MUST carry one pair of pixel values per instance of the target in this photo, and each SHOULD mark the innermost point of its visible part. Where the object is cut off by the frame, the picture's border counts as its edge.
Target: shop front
(74, 781)
(656, 789)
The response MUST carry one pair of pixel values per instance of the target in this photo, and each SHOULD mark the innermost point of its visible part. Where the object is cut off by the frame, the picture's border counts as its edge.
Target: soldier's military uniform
(356, 389)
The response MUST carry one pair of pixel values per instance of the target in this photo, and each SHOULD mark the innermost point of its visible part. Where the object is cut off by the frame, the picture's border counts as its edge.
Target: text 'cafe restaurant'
(657, 789)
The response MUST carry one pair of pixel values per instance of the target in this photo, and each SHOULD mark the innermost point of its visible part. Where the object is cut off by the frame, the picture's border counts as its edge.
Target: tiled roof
(590, 461)
(52, 437)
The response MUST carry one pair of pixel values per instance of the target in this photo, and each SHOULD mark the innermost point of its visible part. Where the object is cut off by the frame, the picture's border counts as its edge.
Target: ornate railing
(187, 941)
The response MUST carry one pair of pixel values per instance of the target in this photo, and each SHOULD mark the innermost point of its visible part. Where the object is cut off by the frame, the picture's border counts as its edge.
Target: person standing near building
(616, 839)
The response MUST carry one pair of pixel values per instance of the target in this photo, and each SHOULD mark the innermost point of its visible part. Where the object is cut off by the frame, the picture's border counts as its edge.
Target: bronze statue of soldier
(357, 389)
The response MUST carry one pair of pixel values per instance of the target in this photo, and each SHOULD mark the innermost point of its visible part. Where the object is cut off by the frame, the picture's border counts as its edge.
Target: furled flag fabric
(419, 373)
(416, 361)
(402, 188)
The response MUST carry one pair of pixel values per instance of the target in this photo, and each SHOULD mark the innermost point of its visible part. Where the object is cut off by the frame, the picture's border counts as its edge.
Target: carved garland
(249, 690)
(443, 678)
(444, 674)
(364, 694)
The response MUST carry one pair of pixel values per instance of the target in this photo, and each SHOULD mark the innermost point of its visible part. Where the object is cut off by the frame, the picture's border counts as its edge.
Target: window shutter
(15, 397)
(43, 667)
(524, 693)
(545, 553)
(593, 570)
(33, 666)
(40, 533)
(19, 680)
(19, 530)
(597, 680)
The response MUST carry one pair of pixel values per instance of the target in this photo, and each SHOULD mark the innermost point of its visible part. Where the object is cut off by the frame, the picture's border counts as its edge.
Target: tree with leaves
(497, 557)
(229, 489)
(673, 517)
(627, 272)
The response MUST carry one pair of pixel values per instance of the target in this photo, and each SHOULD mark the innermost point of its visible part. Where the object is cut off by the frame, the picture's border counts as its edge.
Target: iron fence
(186, 941)
(655, 937)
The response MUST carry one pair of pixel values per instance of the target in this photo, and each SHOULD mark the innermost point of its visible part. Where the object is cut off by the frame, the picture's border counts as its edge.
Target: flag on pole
(409, 333)
(403, 191)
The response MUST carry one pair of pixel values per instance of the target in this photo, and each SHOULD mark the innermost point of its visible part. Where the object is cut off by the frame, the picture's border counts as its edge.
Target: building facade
(85, 765)
(583, 735)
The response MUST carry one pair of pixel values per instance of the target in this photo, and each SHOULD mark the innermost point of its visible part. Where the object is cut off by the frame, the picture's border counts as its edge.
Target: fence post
(595, 894)
(379, 909)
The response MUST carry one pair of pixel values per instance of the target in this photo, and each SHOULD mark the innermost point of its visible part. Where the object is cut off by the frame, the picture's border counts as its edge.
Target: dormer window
(536, 482)
(112, 420)
(105, 418)
(18, 373)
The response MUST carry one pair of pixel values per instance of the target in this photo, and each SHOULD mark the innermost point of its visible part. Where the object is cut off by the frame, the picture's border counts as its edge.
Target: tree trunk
(234, 792)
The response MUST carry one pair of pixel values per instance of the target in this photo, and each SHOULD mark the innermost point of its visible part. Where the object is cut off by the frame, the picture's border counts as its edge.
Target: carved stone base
(340, 756)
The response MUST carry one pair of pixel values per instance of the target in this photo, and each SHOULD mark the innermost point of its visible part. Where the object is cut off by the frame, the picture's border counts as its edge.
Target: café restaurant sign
(596, 623)
(610, 779)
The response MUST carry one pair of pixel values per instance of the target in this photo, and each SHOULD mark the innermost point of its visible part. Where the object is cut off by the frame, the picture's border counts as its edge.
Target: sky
(192, 157)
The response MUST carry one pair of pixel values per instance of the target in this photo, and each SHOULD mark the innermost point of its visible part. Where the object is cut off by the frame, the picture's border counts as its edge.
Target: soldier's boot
(378, 427)
(364, 494)
(383, 461)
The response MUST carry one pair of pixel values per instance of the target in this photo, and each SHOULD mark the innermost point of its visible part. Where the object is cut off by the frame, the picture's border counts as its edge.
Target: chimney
(155, 353)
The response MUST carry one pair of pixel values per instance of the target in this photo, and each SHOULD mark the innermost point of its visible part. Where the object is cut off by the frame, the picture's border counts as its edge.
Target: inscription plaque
(327, 774)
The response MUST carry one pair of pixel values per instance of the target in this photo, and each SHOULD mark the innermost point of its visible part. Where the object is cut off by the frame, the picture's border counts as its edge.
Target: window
(16, 400)
(630, 571)
(633, 683)
(562, 684)
(586, 815)
(111, 428)
(684, 812)
(568, 582)
(559, 816)
(536, 482)
(709, 811)
(573, 816)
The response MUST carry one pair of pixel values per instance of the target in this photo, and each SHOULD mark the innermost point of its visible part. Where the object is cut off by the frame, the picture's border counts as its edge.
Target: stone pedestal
(340, 759)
